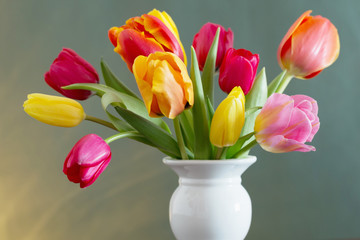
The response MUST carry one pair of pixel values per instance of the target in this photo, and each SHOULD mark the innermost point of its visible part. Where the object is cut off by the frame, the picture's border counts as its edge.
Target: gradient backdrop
(295, 196)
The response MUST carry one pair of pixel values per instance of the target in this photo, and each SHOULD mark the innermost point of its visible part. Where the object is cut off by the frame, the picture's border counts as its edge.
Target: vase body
(210, 203)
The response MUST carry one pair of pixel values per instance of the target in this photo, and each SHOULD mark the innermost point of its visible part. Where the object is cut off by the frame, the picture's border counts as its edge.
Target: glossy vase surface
(210, 203)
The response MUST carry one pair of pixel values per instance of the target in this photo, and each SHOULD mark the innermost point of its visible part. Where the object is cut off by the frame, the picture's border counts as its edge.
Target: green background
(295, 195)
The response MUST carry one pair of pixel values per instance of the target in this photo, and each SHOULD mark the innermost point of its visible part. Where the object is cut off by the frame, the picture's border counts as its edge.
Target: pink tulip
(69, 68)
(204, 38)
(87, 160)
(238, 69)
(310, 45)
(286, 122)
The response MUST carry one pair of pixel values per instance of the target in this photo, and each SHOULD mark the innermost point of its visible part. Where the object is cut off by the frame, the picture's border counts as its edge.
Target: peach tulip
(310, 45)
(164, 84)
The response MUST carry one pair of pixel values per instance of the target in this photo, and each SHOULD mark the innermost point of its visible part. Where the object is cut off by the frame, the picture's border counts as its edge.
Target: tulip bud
(203, 39)
(286, 122)
(87, 160)
(140, 36)
(228, 119)
(310, 45)
(69, 68)
(238, 69)
(53, 110)
(164, 84)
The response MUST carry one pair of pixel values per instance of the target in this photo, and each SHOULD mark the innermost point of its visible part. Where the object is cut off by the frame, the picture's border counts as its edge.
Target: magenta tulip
(238, 69)
(69, 68)
(286, 122)
(204, 38)
(87, 160)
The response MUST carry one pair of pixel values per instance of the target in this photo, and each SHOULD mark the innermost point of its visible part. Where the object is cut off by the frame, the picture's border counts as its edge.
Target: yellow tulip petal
(168, 91)
(228, 119)
(53, 110)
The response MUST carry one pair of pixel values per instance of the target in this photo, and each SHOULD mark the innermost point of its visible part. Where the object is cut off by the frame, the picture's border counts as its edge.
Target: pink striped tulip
(87, 160)
(69, 68)
(286, 122)
(238, 69)
(203, 39)
(310, 45)
(152, 32)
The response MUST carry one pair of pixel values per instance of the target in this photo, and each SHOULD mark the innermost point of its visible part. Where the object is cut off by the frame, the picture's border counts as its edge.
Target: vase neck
(206, 171)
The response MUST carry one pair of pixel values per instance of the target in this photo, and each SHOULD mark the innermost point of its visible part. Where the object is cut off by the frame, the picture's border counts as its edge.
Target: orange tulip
(310, 45)
(164, 84)
(152, 32)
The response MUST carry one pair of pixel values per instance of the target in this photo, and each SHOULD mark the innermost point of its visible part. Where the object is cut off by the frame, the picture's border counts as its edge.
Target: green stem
(284, 82)
(121, 135)
(219, 151)
(180, 138)
(246, 148)
(100, 121)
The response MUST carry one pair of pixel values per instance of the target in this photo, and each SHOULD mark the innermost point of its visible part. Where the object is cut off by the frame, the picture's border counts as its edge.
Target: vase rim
(248, 159)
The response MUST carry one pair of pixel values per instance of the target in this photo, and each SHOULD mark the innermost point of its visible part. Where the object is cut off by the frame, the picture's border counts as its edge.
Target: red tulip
(310, 45)
(69, 68)
(144, 35)
(87, 160)
(204, 38)
(238, 69)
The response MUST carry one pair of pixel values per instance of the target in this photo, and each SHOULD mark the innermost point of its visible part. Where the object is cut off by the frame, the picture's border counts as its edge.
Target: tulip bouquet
(253, 112)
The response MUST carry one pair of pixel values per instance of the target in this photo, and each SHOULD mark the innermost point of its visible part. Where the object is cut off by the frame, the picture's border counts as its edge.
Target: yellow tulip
(228, 119)
(53, 110)
(164, 84)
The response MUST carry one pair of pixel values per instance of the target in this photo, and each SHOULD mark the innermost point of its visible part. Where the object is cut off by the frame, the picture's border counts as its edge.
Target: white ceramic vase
(210, 203)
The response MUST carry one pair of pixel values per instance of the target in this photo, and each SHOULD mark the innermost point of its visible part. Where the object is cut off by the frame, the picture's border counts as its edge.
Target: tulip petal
(203, 39)
(237, 71)
(168, 91)
(299, 127)
(170, 24)
(313, 45)
(132, 44)
(279, 144)
(228, 119)
(90, 174)
(162, 34)
(285, 43)
(69, 68)
(274, 117)
(54, 110)
(87, 160)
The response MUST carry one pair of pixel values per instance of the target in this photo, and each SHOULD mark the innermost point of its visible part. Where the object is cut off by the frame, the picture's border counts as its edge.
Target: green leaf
(234, 149)
(200, 117)
(256, 98)
(250, 111)
(133, 104)
(273, 86)
(108, 99)
(210, 109)
(156, 135)
(112, 81)
(122, 126)
(210, 68)
(187, 128)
